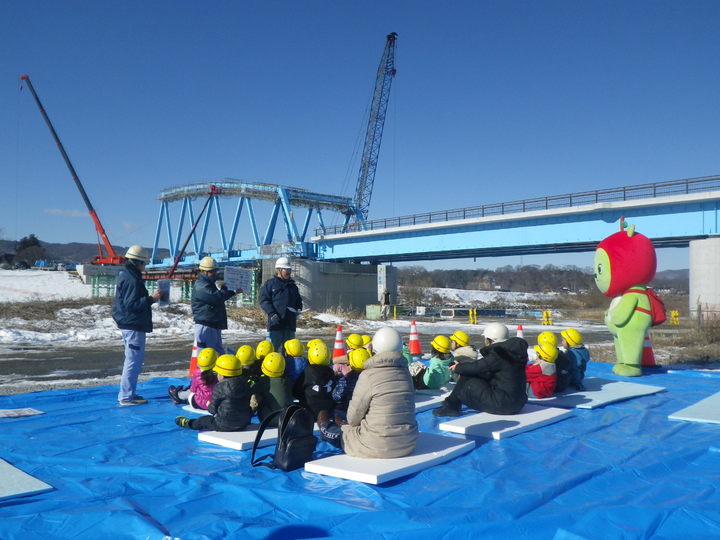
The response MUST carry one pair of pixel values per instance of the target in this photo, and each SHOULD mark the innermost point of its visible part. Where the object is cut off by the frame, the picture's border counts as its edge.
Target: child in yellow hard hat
(578, 357)
(230, 404)
(272, 389)
(541, 373)
(202, 384)
(295, 361)
(313, 388)
(345, 383)
(437, 373)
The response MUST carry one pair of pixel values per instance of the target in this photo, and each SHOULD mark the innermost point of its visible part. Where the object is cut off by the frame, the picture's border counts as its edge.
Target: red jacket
(541, 377)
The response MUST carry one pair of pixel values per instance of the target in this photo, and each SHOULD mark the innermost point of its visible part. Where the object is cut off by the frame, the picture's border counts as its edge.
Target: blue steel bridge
(671, 213)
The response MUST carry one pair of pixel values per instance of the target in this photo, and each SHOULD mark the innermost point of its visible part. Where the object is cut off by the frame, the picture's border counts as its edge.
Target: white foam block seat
(706, 411)
(190, 408)
(16, 483)
(598, 392)
(17, 413)
(240, 440)
(243, 440)
(502, 426)
(425, 400)
(431, 449)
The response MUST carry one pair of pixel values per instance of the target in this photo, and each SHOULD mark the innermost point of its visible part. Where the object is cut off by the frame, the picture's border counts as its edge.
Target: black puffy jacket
(230, 404)
(131, 308)
(276, 296)
(208, 303)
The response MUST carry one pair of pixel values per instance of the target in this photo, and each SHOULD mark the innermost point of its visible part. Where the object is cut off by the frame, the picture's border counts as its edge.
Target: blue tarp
(621, 471)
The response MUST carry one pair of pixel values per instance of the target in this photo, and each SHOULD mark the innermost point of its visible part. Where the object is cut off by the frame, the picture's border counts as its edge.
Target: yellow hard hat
(318, 354)
(354, 341)
(441, 344)
(207, 264)
(206, 359)
(547, 337)
(366, 340)
(228, 366)
(138, 253)
(312, 342)
(294, 347)
(357, 358)
(461, 338)
(246, 355)
(263, 349)
(572, 336)
(273, 365)
(547, 352)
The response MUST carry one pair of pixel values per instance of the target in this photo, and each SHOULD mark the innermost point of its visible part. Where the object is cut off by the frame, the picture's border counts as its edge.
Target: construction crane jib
(102, 258)
(385, 73)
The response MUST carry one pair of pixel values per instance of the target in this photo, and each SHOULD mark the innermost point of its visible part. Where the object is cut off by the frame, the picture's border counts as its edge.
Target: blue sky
(493, 101)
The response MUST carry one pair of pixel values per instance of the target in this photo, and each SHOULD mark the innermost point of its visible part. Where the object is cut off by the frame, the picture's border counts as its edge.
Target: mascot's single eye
(599, 269)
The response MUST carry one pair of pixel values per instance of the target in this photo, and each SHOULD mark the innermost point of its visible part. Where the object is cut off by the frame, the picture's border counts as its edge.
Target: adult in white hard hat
(133, 316)
(494, 383)
(281, 300)
(208, 306)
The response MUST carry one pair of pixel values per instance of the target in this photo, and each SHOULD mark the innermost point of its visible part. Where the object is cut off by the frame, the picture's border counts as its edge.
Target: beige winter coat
(381, 414)
(463, 354)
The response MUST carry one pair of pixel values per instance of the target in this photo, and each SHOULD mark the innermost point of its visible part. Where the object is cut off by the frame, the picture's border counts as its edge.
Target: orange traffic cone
(648, 357)
(414, 342)
(520, 332)
(193, 360)
(339, 349)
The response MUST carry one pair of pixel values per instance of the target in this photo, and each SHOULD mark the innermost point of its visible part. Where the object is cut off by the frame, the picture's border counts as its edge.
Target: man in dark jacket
(495, 383)
(133, 316)
(208, 307)
(281, 300)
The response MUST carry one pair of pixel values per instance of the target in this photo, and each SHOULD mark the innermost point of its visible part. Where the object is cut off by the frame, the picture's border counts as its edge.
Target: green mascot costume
(625, 263)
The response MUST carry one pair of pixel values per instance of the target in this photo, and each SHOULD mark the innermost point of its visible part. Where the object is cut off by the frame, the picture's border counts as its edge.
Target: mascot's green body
(625, 263)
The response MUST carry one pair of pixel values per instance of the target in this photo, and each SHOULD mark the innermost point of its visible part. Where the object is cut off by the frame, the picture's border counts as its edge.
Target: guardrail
(641, 191)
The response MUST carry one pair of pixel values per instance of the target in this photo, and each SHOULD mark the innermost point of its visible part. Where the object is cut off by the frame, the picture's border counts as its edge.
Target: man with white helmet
(133, 316)
(208, 307)
(280, 299)
(494, 383)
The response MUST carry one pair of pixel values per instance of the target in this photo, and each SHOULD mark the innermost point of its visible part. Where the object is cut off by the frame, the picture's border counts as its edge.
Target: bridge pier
(704, 295)
(328, 285)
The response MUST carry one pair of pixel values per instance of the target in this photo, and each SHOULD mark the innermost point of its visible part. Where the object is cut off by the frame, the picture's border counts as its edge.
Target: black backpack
(296, 442)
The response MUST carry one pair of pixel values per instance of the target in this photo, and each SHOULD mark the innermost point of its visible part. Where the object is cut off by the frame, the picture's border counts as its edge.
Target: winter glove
(274, 319)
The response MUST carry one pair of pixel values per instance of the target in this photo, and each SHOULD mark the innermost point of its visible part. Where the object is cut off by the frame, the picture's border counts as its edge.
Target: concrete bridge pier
(705, 278)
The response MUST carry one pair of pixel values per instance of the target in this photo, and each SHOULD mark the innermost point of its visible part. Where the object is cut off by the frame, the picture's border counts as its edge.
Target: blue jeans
(134, 357)
(207, 336)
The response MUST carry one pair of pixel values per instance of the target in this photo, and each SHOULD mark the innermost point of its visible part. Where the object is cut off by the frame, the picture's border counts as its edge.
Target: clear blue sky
(493, 101)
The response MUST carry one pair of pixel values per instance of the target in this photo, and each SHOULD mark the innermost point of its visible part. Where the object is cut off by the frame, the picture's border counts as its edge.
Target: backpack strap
(641, 291)
(263, 426)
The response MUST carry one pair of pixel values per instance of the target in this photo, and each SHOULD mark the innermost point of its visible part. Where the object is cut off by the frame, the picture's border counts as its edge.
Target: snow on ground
(464, 296)
(34, 285)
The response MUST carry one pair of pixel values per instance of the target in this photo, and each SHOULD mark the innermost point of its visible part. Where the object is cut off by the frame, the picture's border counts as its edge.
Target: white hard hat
(283, 262)
(207, 264)
(386, 340)
(138, 253)
(496, 331)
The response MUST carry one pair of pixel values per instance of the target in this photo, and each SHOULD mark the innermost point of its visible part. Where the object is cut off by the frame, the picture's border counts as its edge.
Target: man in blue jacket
(208, 307)
(281, 300)
(133, 316)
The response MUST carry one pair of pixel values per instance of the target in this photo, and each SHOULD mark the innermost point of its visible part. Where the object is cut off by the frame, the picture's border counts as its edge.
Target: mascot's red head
(622, 260)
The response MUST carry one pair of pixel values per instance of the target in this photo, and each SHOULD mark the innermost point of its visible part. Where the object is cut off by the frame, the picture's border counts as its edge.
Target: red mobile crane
(102, 258)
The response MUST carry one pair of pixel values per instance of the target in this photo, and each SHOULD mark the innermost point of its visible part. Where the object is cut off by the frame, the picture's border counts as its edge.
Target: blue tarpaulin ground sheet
(621, 471)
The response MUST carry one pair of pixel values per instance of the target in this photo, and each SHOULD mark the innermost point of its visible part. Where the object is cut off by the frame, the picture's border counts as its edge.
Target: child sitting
(251, 368)
(437, 373)
(263, 348)
(341, 363)
(272, 389)
(577, 355)
(295, 362)
(345, 384)
(230, 404)
(313, 388)
(541, 373)
(203, 381)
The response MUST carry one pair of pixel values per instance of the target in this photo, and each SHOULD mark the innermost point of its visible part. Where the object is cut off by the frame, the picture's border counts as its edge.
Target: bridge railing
(642, 191)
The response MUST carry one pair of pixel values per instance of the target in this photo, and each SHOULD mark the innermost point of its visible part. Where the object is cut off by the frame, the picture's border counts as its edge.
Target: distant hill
(72, 252)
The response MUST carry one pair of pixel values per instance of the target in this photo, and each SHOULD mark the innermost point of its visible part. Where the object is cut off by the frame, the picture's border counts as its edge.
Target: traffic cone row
(339, 349)
(414, 342)
(193, 360)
